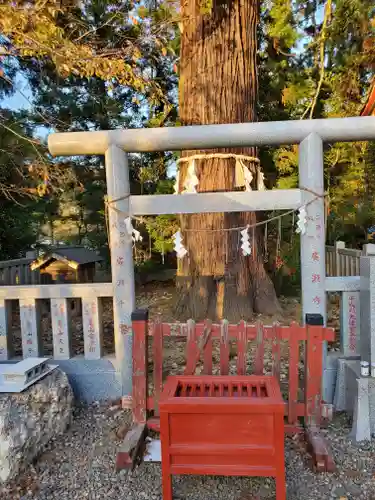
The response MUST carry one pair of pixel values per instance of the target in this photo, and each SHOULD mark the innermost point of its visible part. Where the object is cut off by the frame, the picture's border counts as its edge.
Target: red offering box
(222, 425)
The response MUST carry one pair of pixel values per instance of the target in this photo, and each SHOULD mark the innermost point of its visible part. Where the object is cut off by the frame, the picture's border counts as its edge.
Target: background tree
(111, 64)
(219, 84)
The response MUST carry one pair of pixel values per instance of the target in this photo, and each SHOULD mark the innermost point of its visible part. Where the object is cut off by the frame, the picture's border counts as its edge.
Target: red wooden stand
(303, 405)
(232, 426)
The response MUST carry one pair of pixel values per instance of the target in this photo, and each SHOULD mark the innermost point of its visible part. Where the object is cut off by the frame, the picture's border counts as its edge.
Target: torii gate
(114, 144)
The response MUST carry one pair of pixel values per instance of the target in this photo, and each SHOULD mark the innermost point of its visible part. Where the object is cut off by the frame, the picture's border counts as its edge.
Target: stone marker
(350, 323)
(29, 420)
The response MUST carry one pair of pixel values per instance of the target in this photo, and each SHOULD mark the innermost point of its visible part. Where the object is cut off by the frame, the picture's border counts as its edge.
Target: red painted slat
(276, 352)
(158, 364)
(224, 348)
(241, 348)
(139, 370)
(259, 355)
(294, 337)
(191, 348)
(207, 348)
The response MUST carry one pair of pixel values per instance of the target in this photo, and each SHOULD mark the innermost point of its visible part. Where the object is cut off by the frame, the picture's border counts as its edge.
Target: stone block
(29, 420)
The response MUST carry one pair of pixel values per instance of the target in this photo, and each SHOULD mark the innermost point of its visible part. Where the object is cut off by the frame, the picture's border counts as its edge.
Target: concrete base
(330, 376)
(92, 380)
(343, 399)
(356, 395)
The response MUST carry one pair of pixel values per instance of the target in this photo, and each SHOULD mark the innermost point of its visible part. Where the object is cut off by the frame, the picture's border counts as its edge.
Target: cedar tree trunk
(218, 84)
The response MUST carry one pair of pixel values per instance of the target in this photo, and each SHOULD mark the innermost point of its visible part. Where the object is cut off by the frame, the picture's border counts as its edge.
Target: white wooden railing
(59, 295)
(341, 261)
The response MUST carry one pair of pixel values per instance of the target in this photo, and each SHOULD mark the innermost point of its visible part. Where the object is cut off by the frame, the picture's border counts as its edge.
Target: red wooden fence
(302, 401)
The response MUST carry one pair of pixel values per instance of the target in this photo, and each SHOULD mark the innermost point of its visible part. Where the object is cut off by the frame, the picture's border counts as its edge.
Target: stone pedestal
(356, 395)
(29, 420)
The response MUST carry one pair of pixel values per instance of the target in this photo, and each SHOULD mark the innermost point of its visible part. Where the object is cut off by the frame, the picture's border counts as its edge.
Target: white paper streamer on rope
(302, 220)
(248, 177)
(260, 181)
(191, 181)
(245, 243)
(135, 235)
(178, 246)
(243, 176)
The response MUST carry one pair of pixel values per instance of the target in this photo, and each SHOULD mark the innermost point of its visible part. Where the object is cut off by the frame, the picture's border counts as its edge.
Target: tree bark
(219, 84)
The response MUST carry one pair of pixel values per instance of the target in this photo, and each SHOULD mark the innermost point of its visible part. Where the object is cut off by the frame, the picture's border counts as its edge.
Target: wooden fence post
(6, 348)
(339, 245)
(30, 328)
(92, 321)
(61, 328)
(368, 249)
(140, 365)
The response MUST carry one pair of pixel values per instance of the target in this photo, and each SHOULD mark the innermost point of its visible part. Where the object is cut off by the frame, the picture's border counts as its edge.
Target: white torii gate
(309, 134)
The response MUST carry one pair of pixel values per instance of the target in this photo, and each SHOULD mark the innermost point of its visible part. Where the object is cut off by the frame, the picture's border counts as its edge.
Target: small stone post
(118, 188)
(339, 245)
(367, 313)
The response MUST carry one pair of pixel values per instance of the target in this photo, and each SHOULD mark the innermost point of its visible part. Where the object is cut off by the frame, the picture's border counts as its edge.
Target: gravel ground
(81, 466)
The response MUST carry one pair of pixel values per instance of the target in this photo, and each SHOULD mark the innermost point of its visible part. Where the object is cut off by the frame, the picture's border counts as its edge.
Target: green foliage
(110, 64)
(162, 227)
(328, 49)
(281, 25)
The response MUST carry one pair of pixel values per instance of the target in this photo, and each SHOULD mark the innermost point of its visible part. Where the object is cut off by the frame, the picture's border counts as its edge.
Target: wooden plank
(140, 370)
(92, 318)
(153, 423)
(259, 355)
(131, 448)
(241, 348)
(30, 328)
(157, 354)
(192, 353)
(294, 338)
(206, 345)
(313, 375)
(74, 290)
(233, 201)
(276, 351)
(320, 451)
(61, 328)
(224, 348)
(6, 347)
